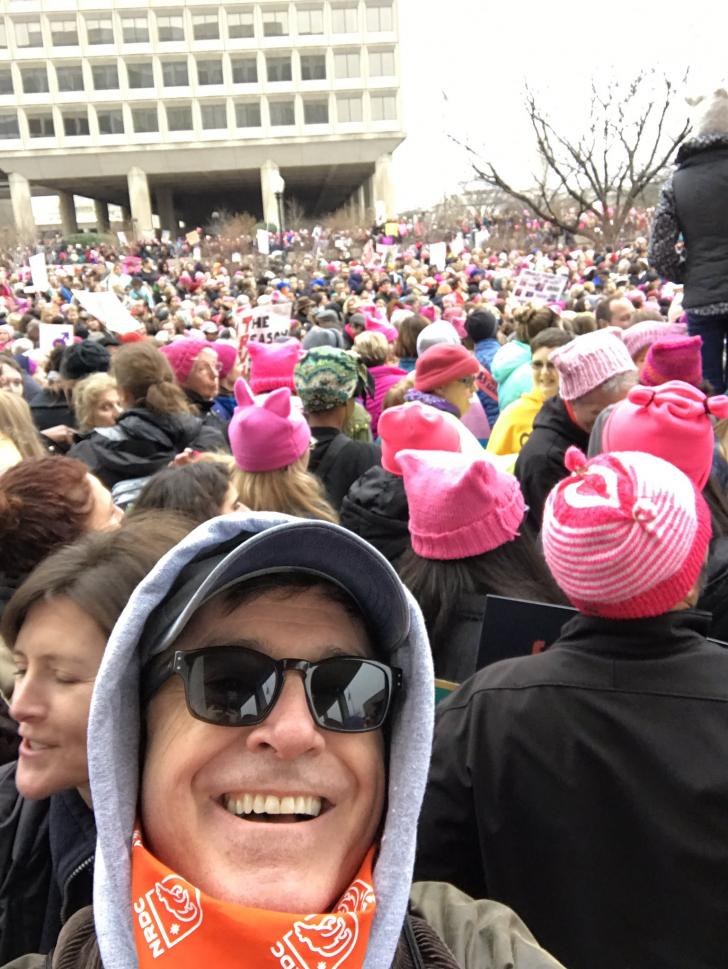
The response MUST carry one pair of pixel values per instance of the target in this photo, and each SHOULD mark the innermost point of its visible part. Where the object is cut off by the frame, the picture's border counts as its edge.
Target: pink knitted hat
(673, 360)
(227, 354)
(644, 334)
(272, 364)
(377, 323)
(672, 422)
(415, 426)
(459, 505)
(182, 354)
(589, 361)
(626, 535)
(267, 436)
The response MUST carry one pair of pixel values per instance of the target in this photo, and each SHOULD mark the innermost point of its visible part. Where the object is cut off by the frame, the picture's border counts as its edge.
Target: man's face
(620, 313)
(197, 777)
(587, 408)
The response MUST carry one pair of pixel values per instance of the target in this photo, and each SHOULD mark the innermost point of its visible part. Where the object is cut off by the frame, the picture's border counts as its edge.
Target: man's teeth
(270, 804)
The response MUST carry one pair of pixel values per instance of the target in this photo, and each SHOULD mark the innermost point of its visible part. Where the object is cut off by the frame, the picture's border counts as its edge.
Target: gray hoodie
(114, 734)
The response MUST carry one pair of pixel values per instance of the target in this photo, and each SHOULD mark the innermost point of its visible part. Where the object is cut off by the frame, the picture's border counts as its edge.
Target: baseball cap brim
(318, 549)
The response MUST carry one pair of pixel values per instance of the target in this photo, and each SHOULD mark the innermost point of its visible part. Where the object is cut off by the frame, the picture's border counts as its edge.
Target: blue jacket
(485, 350)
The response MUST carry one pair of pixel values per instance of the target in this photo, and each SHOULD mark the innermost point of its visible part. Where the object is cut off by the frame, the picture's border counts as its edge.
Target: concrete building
(180, 108)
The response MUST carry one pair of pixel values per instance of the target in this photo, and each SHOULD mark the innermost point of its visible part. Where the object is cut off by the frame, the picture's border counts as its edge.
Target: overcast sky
(481, 53)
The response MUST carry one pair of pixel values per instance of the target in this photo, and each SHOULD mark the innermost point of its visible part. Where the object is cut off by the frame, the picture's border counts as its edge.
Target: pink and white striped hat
(626, 535)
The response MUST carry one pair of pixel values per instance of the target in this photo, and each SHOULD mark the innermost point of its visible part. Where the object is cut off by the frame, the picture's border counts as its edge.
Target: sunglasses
(234, 686)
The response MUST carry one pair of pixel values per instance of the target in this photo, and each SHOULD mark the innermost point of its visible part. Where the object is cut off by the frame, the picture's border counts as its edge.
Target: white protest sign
(438, 254)
(51, 334)
(236, 257)
(457, 245)
(197, 254)
(166, 235)
(107, 308)
(481, 237)
(193, 237)
(533, 285)
(121, 236)
(270, 321)
(263, 241)
(39, 272)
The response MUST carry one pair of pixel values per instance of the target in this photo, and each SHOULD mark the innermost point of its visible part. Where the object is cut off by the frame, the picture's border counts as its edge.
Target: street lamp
(279, 186)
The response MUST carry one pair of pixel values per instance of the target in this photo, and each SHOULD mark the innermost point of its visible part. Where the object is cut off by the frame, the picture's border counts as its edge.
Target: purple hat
(267, 436)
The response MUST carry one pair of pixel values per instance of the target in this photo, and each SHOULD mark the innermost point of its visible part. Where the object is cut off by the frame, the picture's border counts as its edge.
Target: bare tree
(590, 180)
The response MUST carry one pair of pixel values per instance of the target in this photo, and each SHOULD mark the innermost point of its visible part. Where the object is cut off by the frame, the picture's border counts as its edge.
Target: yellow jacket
(515, 423)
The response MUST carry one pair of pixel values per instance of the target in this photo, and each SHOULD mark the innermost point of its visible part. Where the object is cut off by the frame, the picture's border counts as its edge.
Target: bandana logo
(168, 913)
(326, 941)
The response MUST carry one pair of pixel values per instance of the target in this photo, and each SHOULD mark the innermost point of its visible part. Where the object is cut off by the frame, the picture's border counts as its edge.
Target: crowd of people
(244, 537)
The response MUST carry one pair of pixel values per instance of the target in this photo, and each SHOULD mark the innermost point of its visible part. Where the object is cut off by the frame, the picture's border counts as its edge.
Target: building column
(69, 223)
(21, 199)
(141, 203)
(165, 210)
(269, 171)
(383, 185)
(101, 211)
(361, 201)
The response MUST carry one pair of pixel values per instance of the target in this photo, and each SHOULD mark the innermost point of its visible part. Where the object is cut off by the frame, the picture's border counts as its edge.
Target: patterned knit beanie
(673, 360)
(626, 535)
(326, 377)
(589, 361)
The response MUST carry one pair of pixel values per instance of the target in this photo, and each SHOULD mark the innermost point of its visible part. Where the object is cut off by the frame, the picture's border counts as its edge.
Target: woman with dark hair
(405, 346)
(512, 363)
(465, 521)
(199, 491)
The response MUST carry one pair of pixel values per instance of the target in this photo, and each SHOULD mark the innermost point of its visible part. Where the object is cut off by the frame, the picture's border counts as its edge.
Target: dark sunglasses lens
(349, 694)
(231, 687)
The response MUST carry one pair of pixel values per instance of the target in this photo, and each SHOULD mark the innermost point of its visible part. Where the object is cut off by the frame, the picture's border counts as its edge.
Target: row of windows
(134, 28)
(175, 73)
(145, 119)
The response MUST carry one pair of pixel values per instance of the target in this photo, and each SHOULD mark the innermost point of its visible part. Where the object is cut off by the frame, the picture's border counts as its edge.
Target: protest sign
(481, 238)
(107, 308)
(197, 254)
(193, 237)
(51, 335)
(262, 240)
(533, 285)
(39, 272)
(270, 321)
(166, 235)
(457, 245)
(438, 255)
(121, 236)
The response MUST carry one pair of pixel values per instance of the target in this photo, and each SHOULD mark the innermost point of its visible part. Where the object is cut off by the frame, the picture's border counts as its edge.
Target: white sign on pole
(533, 285)
(270, 321)
(438, 255)
(263, 241)
(52, 334)
(107, 308)
(39, 272)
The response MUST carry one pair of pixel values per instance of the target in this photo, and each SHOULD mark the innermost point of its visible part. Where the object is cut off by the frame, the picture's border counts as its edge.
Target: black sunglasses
(235, 686)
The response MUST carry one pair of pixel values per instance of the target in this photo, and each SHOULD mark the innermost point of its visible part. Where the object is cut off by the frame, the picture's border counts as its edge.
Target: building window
(380, 18)
(41, 126)
(170, 27)
(135, 30)
(140, 75)
(282, 113)
(279, 68)
(106, 77)
(381, 63)
(313, 67)
(69, 77)
(384, 107)
(205, 26)
(111, 121)
(64, 33)
(28, 34)
(75, 125)
(316, 112)
(99, 30)
(35, 80)
(6, 82)
(247, 114)
(347, 64)
(179, 117)
(310, 21)
(145, 120)
(214, 117)
(209, 72)
(348, 109)
(9, 127)
(245, 70)
(240, 23)
(174, 74)
(345, 20)
(275, 23)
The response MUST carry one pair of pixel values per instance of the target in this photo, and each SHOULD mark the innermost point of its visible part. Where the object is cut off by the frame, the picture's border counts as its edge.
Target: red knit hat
(272, 365)
(626, 535)
(442, 364)
(673, 360)
(414, 425)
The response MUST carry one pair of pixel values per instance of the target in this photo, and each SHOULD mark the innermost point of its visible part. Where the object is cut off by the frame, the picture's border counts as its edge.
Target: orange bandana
(175, 920)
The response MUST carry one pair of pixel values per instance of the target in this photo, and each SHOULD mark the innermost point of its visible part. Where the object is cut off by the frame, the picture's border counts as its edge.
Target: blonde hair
(373, 348)
(16, 423)
(86, 395)
(291, 490)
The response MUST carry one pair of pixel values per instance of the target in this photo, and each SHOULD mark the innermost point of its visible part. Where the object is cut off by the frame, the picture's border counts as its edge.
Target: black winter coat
(142, 443)
(586, 787)
(46, 866)
(338, 470)
(49, 408)
(376, 509)
(540, 464)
